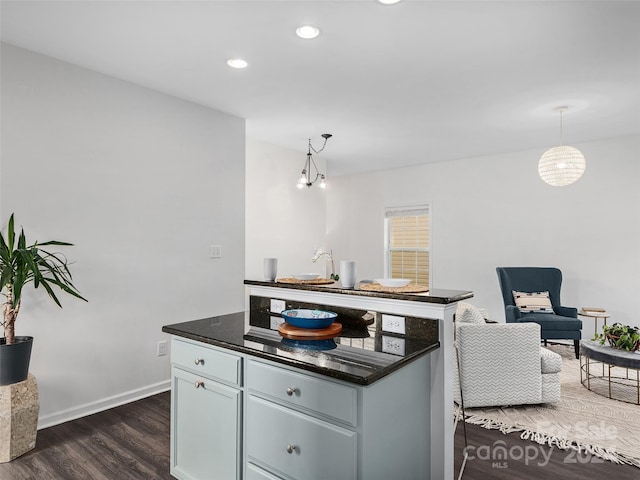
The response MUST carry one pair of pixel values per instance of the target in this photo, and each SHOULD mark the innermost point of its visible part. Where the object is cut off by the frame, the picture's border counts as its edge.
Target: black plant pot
(14, 360)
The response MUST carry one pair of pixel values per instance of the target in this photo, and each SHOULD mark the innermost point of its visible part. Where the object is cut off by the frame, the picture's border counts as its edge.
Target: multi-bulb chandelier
(561, 165)
(306, 176)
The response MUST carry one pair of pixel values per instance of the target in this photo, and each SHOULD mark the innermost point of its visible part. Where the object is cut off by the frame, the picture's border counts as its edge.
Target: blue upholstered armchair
(563, 323)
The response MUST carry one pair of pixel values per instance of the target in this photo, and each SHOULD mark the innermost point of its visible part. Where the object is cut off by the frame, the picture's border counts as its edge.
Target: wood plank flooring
(526, 460)
(131, 442)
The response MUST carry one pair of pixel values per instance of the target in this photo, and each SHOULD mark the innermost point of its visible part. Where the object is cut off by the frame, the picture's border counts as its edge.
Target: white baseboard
(101, 405)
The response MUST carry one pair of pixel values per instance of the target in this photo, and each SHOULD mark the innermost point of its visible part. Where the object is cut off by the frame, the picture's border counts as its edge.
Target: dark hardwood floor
(527, 460)
(131, 442)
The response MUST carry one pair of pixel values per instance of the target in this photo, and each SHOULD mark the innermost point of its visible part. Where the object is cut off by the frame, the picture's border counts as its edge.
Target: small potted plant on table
(623, 337)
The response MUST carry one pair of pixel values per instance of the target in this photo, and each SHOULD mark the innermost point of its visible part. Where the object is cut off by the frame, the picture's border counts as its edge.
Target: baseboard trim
(101, 405)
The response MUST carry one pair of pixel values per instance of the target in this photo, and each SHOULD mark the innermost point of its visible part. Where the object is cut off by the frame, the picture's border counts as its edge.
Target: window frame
(407, 210)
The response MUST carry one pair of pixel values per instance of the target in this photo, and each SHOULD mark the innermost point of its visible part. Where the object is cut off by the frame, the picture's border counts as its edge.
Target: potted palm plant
(21, 264)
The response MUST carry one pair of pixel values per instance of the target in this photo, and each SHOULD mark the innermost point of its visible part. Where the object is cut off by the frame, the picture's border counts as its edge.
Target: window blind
(408, 244)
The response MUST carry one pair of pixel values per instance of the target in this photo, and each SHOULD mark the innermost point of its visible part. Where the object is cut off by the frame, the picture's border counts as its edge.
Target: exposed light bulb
(322, 183)
(302, 181)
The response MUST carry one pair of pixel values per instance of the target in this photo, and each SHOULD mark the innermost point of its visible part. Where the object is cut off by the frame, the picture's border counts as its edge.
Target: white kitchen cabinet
(206, 408)
(239, 416)
(304, 426)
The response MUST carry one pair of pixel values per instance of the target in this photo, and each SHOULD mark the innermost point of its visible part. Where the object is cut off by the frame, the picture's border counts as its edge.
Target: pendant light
(561, 165)
(306, 175)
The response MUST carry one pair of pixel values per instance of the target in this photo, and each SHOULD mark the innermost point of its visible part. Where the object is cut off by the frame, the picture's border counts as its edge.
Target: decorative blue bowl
(305, 318)
(309, 344)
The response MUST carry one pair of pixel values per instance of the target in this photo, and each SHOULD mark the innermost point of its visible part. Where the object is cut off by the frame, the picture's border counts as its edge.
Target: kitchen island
(375, 402)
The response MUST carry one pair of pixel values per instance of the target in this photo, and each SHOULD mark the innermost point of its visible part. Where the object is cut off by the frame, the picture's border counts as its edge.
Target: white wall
(142, 183)
(282, 221)
(495, 211)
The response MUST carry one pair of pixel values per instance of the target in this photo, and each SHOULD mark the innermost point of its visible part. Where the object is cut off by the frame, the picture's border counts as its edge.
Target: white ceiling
(417, 82)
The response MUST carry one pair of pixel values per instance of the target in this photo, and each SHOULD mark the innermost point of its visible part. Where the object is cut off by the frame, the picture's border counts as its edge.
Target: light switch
(216, 251)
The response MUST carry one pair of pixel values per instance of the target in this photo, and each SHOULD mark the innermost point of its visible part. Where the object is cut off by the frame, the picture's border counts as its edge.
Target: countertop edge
(414, 297)
(328, 372)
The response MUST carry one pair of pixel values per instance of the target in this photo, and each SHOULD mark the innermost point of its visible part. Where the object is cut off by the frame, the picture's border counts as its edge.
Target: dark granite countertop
(355, 356)
(436, 295)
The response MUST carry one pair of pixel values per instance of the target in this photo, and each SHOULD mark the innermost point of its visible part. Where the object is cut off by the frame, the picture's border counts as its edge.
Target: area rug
(582, 420)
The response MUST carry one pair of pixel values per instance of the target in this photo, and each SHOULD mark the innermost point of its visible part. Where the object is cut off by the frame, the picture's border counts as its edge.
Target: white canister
(348, 273)
(270, 268)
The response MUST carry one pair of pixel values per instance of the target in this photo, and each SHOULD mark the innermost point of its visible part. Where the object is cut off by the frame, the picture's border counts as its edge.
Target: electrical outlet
(393, 345)
(162, 349)
(275, 322)
(277, 306)
(216, 251)
(391, 323)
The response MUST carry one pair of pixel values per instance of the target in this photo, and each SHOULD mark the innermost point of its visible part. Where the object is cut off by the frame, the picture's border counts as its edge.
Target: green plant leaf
(21, 263)
(50, 292)
(56, 242)
(11, 236)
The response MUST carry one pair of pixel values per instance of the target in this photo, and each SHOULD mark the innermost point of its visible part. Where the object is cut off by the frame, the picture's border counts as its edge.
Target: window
(407, 239)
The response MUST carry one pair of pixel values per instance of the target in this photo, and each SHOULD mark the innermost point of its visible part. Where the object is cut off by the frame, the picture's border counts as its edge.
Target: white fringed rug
(581, 420)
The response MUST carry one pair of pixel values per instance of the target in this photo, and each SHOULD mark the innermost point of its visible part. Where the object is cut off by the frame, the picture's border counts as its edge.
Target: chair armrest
(499, 364)
(566, 311)
(512, 313)
(550, 362)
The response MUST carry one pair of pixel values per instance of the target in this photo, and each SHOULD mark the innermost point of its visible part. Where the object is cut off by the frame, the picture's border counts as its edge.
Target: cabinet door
(205, 428)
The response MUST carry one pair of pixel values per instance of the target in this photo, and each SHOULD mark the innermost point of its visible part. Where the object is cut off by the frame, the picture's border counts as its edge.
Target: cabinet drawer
(206, 361)
(255, 473)
(287, 442)
(322, 397)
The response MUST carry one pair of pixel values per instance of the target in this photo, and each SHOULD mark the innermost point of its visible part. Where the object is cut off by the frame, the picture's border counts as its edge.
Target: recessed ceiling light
(307, 32)
(237, 63)
(388, 2)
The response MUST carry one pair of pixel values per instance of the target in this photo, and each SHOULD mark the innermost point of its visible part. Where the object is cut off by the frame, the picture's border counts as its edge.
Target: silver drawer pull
(199, 383)
(291, 391)
(291, 448)
(199, 361)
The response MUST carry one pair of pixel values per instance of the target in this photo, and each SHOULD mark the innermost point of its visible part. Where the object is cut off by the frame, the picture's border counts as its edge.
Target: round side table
(595, 316)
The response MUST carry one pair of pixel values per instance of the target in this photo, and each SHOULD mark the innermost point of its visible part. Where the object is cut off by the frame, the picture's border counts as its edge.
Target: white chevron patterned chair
(503, 363)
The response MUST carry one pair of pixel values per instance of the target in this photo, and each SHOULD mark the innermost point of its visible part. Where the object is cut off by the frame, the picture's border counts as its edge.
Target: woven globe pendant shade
(560, 166)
